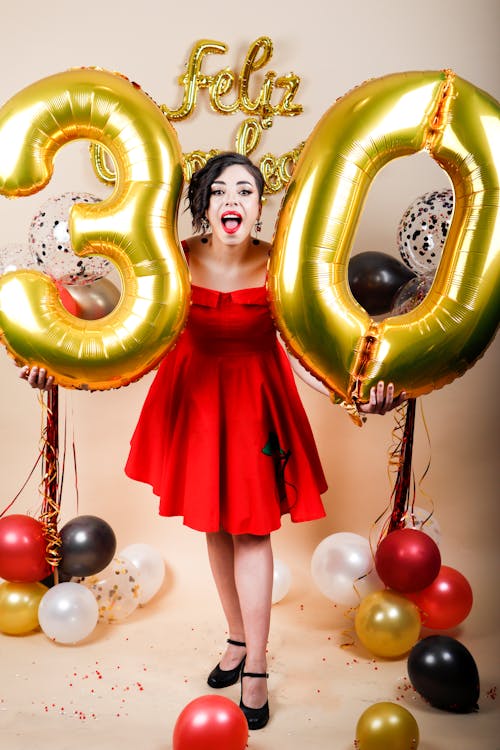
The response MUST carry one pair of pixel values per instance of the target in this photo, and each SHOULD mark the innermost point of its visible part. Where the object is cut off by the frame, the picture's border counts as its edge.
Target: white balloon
(68, 612)
(421, 519)
(282, 580)
(151, 567)
(343, 568)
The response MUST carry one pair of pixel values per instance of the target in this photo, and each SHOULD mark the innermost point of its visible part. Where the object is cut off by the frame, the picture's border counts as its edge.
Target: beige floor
(126, 684)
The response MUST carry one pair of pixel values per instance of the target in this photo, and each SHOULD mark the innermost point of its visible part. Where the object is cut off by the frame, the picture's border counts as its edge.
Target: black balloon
(444, 672)
(375, 279)
(88, 544)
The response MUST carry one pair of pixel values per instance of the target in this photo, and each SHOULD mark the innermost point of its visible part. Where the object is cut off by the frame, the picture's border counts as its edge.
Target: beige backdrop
(332, 46)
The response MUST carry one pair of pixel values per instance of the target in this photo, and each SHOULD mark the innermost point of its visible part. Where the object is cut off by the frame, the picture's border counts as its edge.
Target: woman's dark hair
(199, 190)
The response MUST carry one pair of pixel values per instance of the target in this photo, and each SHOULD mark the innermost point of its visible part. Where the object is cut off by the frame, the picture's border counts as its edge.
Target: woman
(223, 438)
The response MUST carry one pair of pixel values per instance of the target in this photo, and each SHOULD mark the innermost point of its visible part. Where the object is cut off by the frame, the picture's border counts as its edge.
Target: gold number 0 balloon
(323, 325)
(135, 228)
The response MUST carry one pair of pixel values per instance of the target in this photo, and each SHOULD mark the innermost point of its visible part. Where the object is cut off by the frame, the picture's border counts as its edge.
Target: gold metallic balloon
(92, 301)
(387, 624)
(135, 228)
(19, 606)
(387, 726)
(323, 325)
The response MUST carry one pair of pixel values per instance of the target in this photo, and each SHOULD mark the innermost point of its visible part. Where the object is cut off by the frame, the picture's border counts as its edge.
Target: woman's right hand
(37, 377)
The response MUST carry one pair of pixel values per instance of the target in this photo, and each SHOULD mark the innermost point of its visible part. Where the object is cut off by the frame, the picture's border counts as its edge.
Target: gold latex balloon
(323, 325)
(387, 726)
(92, 301)
(387, 624)
(135, 228)
(19, 606)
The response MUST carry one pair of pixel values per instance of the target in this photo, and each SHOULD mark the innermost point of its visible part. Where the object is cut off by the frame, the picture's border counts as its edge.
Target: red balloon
(68, 301)
(446, 602)
(407, 560)
(22, 549)
(210, 722)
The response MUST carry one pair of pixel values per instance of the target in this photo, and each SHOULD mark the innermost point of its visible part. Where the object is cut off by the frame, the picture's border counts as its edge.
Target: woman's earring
(257, 227)
(205, 226)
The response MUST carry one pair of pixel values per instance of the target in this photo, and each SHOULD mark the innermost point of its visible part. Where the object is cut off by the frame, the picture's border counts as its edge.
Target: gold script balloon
(386, 726)
(19, 606)
(135, 228)
(386, 625)
(332, 335)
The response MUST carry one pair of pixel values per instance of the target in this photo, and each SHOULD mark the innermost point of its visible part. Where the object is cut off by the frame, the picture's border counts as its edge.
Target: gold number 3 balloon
(136, 228)
(333, 336)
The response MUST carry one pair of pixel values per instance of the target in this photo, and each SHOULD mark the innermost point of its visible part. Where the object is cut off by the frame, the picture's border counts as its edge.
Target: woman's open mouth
(231, 221)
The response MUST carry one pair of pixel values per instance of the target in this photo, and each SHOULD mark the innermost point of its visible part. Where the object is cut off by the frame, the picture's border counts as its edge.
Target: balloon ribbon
(402, 484)
(50, 475)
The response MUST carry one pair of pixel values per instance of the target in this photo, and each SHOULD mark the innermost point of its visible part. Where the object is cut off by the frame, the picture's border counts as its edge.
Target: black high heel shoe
(256, 717)
(221, 678)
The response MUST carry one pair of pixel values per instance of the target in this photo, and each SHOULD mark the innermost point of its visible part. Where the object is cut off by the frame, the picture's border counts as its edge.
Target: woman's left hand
(381, 400)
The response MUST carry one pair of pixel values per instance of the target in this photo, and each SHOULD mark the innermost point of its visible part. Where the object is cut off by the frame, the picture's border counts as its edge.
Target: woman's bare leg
(253, 575)
(242, 567)
(221, 556)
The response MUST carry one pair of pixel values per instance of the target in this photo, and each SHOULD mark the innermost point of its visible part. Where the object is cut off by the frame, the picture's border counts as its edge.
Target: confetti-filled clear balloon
(412, 294)
(116, 590)
(424, 520)
(50, 241)
(151, 567)
(15, 256)
(423, 230)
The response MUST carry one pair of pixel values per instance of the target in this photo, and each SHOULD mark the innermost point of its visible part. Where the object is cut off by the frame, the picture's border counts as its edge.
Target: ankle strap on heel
(236, 643)
(255, 674)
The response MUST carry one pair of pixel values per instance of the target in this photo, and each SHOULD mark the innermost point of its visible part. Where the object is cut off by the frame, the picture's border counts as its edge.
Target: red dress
(223, 438)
